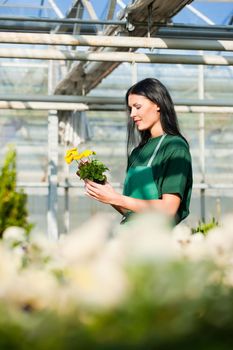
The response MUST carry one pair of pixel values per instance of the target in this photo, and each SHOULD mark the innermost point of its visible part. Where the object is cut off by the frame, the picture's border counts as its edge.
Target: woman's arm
(120, 210)
(168, 204)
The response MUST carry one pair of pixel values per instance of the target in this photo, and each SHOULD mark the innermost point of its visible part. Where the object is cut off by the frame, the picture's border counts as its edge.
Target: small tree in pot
(13, 203)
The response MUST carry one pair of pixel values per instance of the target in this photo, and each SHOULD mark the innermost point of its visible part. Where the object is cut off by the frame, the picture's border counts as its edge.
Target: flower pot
(101, 182)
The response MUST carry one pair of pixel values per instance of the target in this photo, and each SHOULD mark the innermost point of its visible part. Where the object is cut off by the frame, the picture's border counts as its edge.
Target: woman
(159, 171)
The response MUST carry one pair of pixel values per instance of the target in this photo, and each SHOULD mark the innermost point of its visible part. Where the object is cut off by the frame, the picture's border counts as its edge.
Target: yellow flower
(70, 155)
(90, 168)
(84, 154)
(73, 154)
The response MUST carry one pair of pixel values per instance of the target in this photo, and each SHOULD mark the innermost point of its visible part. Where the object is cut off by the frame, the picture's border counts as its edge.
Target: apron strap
(155, 151)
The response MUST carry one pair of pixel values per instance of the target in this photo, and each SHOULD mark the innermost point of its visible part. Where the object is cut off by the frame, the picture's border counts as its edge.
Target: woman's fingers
(92, 184)
(101, 193)
(91, 196)
(91, 190)
(92, 193)
(90, 187)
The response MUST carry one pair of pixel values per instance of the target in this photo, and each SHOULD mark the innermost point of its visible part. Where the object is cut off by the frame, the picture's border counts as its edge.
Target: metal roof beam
(67, 106)
(76, 11)
(116, 41)
(70, 21)
(105, 100)
(55, 8)
(68, 55)
(111, 9)
(90, 9)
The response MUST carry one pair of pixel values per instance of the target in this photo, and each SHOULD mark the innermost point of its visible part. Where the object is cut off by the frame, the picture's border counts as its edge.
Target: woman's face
(145, 113)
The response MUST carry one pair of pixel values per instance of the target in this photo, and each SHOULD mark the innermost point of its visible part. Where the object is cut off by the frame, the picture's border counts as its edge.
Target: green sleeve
(177, 169)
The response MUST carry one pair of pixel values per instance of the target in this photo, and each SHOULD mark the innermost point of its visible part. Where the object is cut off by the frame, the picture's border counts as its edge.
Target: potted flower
(88, 166)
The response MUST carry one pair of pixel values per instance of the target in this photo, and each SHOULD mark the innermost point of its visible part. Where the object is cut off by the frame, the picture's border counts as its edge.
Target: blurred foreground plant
(88, 167)
(146, 287)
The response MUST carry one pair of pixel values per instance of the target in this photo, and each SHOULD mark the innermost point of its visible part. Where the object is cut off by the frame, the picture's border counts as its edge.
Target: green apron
(139, 182)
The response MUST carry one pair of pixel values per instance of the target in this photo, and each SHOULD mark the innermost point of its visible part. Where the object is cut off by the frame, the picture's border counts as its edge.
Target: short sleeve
(177, 170)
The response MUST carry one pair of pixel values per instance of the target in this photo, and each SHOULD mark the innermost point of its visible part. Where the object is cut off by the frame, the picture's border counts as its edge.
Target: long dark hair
(155, 91)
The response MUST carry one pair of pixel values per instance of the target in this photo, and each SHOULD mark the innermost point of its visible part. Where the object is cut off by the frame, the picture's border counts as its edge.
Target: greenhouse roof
(219, 12)
(200, 15)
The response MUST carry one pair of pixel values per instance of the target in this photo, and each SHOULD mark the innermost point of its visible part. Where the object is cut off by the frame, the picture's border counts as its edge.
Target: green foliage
(13, 210)
(92, 170)
(205, 227)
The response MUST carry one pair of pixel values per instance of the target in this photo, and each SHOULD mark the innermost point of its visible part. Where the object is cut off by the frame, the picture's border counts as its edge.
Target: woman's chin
(140, 128)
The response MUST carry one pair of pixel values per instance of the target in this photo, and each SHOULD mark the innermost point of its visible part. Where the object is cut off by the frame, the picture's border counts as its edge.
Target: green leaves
(205, 227)
(92, 170)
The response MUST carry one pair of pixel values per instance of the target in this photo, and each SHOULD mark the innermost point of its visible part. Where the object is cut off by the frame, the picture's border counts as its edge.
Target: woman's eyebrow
(134, 105)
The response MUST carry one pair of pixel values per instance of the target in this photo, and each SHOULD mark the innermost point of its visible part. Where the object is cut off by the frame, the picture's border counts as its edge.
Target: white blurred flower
(43, 243)
(99, 284)
(227, 225)
(87, 241)
(33, 288)
(220, 244)
(197, 248)
(197, 237)
(148, 238)
(41, 249)
(191, 246)
(94, 274)
(114, 250)
(182, 234)
(8, 270)
(14, 236)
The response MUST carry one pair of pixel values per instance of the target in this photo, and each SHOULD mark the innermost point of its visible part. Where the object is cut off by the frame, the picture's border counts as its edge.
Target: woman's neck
(158, 131)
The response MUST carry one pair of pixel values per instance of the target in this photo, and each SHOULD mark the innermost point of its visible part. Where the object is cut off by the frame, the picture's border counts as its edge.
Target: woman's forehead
(134, 98)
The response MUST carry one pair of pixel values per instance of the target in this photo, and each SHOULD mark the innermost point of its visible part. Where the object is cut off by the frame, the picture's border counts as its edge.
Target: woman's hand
(102, 193)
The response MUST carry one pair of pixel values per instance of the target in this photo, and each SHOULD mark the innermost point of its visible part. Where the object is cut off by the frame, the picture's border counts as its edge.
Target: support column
(52, 215)
(202, 141)
(134, 72)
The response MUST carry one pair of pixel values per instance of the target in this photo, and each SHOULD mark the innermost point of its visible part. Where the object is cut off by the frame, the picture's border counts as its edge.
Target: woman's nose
(132, 113)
